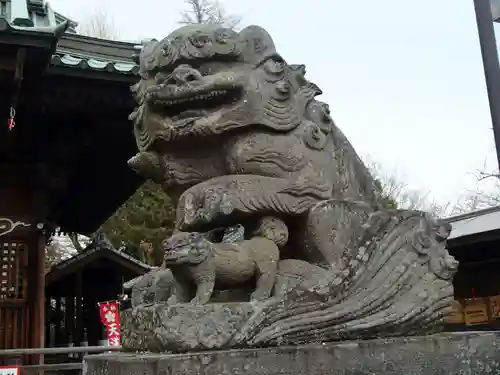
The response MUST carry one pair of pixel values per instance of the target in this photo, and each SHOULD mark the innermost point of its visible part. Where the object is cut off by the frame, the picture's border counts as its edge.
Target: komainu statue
(235, 135)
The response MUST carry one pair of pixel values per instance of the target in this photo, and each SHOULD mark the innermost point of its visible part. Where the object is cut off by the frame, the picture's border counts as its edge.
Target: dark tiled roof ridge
(101, 41)
(90, 249)
(472, 214)
(85, 52)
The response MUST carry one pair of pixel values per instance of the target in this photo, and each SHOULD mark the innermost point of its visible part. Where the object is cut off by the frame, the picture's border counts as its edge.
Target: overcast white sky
(404, 78)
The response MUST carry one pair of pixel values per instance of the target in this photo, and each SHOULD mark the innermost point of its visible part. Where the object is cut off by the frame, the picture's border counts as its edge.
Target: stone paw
(203, 204)
(198, 301)
(172, 300)
(259, 296)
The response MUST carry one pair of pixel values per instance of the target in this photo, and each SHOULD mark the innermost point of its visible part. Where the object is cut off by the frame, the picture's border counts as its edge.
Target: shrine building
(474, 242)
(65, 139)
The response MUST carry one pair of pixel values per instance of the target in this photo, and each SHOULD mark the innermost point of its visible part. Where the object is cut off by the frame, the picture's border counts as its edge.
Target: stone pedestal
(447, 353)
(184, 327)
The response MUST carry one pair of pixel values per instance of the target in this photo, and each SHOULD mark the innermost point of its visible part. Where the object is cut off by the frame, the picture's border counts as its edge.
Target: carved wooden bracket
(7, 226)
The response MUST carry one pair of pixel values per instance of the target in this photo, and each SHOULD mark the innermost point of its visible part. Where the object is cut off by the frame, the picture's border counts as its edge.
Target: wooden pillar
(69, 317)
(48, 318)
(59, 314)
(37, 286)
(89, 308)
(94, 324)
(100, 296)
(78, 309)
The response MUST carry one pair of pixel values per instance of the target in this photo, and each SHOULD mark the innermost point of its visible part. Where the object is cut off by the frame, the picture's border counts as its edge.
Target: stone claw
(172, 300)
(258, 297)
(203, 204)
(197, 301)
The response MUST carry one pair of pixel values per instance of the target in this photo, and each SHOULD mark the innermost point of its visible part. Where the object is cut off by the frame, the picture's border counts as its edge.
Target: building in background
(75, 286)
(65, 139)
(475, 243)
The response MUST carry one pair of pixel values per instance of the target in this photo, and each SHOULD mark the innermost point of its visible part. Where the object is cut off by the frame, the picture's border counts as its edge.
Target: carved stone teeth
(209, 95)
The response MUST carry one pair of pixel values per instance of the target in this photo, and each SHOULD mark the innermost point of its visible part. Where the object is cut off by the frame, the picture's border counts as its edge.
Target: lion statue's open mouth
(185, 95)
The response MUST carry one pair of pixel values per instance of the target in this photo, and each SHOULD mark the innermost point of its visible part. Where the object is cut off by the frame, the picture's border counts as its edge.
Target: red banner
(10, 370)
(110, 317)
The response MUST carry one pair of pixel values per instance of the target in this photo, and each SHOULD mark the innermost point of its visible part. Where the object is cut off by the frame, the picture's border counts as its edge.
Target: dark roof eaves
(50, 31)
(95, 54)
(91, 250)
(470, 215)
(76, 62)
(145, 266)
(97, 47)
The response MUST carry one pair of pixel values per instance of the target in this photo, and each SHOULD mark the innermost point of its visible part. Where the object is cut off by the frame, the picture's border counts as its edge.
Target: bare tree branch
(486, 194)
(481, 176)
(76, 243)
(54, 254)
(98, 25)
(208, 12)
(392, 191)
(63, 247)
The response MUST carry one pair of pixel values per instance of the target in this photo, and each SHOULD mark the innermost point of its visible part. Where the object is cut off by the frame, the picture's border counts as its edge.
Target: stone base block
(161, 328)
(440, 354)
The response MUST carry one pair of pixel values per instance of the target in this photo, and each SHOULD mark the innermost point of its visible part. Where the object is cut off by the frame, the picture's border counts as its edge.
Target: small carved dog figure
(197, 262)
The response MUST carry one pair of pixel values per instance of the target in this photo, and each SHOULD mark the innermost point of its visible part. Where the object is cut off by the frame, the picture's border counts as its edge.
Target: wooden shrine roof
(79, 128)
(36, 19)
(93, 54)
(95, 254)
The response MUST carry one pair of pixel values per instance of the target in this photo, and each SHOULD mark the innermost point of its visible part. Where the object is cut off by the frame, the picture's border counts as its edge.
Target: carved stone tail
(401, 286)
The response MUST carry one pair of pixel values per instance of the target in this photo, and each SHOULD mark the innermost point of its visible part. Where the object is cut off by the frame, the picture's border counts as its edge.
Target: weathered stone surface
(395, 282)
(456, 353)
(160, 328)
(154, 287)
(234, 134)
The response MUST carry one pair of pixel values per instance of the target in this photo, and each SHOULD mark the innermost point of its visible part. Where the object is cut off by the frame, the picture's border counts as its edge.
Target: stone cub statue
(200, 265)
(195, 266)
(156, 286)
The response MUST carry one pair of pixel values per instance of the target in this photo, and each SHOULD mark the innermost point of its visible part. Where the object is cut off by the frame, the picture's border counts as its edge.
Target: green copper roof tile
(95, 54)
(90, 63)
(124, 67)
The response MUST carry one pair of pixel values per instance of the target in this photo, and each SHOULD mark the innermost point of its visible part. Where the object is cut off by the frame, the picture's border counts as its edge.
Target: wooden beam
(69, 316)
(92, 74)
(18, 75)
(20, 59)
(7, 63)
(78, 309)
(37, 277)
(58, 314)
